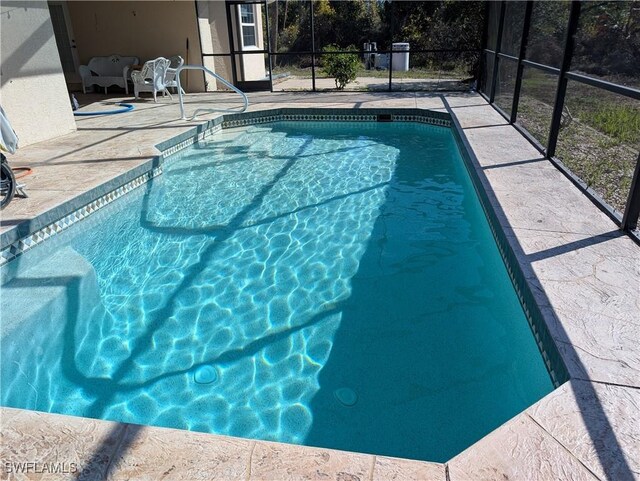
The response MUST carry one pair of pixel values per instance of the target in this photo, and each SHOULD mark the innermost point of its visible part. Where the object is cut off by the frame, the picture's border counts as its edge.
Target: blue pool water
(332, 285)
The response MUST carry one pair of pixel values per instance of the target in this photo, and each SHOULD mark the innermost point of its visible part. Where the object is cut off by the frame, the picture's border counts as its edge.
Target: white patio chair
(152, 78)
(170, 79)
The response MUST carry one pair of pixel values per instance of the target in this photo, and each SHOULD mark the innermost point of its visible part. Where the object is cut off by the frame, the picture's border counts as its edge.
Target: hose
(21, 172)
(124, 108)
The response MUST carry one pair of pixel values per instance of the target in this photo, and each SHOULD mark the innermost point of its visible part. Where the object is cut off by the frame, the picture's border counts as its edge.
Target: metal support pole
(204, 77)
(266, 19)
(391, 38)
(232, 49)
(313, 48)
(391, 67)
(496, 60)
(485, 31)
(574, 16)
(523, 52)
(632, 209)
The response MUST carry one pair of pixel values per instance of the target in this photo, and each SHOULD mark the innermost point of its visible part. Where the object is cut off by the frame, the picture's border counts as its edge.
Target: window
(247, 26)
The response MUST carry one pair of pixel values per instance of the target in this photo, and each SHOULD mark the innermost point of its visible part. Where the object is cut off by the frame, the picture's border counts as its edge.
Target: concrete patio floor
(583, 272)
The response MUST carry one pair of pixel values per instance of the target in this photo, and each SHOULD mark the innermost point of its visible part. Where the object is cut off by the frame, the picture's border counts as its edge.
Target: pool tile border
(23, 244)
(434, 118)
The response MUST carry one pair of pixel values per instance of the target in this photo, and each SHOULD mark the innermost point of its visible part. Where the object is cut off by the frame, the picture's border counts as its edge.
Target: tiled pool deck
(584, 274)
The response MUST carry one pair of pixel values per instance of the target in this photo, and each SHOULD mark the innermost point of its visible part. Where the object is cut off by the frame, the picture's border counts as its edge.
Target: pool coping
(128, 180)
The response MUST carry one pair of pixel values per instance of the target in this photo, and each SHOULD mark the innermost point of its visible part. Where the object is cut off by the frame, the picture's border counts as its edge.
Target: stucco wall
(215, 35)
(33, 91)
(215, 39)
(145, 29)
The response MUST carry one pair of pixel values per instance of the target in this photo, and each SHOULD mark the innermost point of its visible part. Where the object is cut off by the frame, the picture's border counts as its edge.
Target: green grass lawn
(621, 122)
(609, 113)
(599, 136)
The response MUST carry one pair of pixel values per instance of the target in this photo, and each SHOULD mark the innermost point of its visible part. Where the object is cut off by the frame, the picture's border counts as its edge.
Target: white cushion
(111, 66)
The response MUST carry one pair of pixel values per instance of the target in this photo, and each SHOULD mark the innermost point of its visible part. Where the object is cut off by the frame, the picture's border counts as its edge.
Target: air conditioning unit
(369, 54)
(381, 61)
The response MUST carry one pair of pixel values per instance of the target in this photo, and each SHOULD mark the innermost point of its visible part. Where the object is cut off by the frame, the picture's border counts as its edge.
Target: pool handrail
(218, 77)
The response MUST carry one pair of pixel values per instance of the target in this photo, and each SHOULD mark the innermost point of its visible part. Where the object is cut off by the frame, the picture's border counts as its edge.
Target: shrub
(342, 66)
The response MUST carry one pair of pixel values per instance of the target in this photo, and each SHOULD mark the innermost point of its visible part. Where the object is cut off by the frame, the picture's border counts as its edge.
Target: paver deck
(584, 273)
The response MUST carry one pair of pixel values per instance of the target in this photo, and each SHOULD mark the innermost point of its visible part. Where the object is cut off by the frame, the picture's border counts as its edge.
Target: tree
(608, 38)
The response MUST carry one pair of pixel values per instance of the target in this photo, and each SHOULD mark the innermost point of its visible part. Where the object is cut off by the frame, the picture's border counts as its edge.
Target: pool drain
(346, 396)
(205, 375)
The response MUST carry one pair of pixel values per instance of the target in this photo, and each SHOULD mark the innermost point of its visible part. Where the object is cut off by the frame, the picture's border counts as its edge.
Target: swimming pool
(328, 284)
